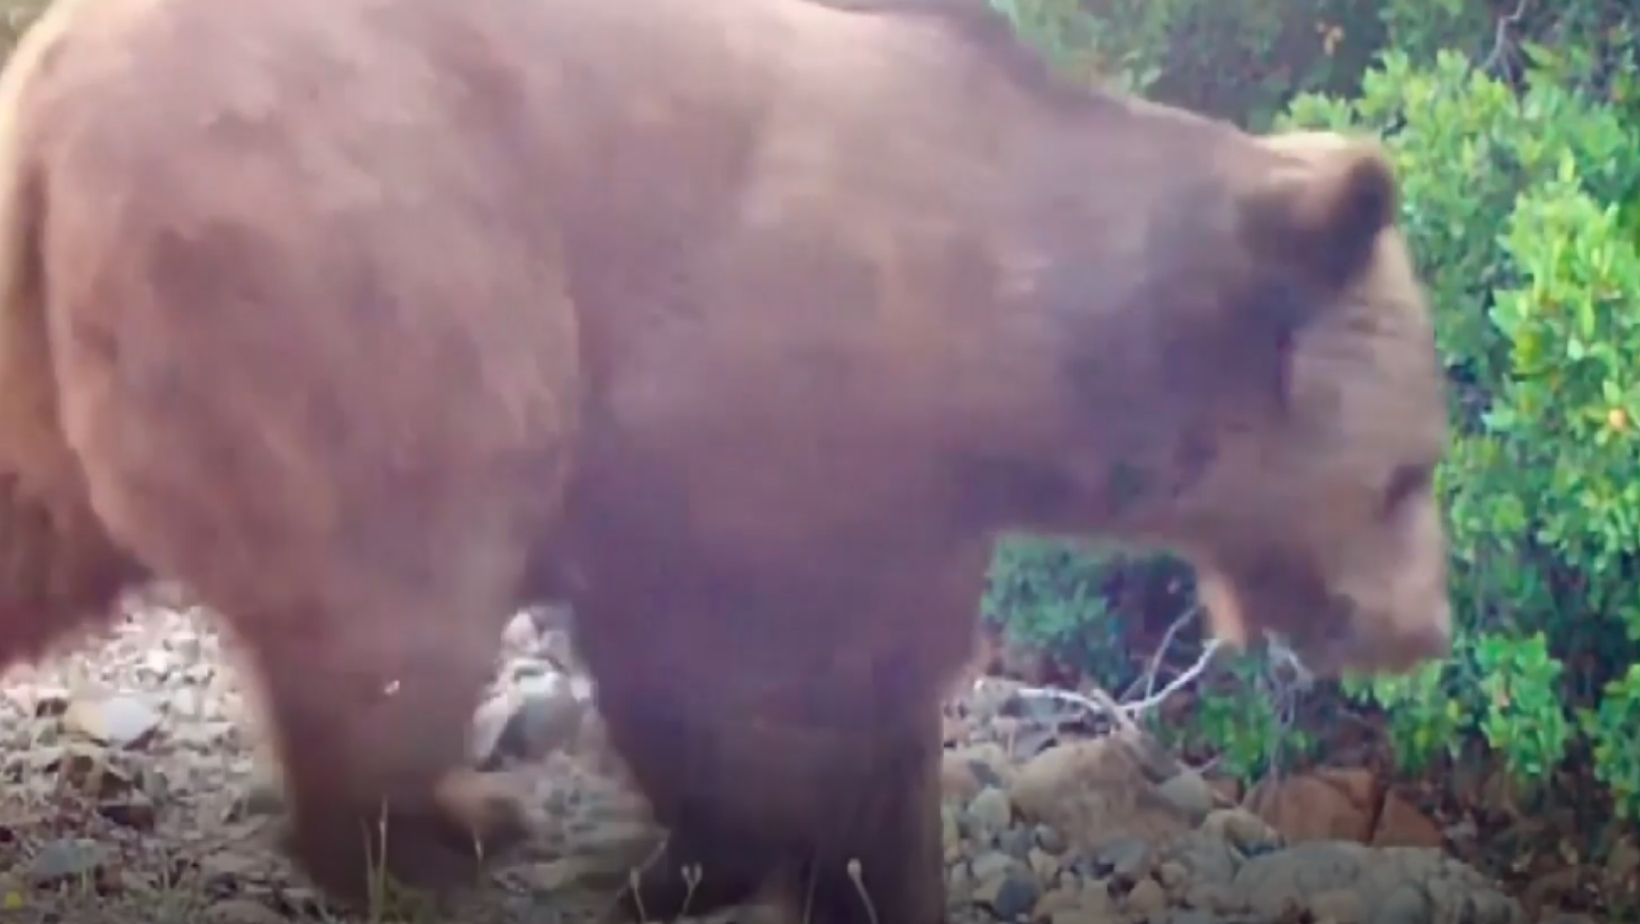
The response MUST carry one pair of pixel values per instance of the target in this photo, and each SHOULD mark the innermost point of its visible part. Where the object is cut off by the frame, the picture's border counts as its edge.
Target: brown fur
(744, 324)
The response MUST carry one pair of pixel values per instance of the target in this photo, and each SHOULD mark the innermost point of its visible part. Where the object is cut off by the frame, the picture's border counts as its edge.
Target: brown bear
(744, 325)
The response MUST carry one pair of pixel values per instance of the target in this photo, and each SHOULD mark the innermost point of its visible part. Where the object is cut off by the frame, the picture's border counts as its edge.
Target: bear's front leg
(370, 722)
(844, 810)
(708, 861)
(875, 854)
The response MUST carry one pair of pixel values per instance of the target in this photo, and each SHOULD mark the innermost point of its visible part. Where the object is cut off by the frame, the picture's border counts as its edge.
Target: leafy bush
(1239, 60)
(1611, 729)
(1072, 600)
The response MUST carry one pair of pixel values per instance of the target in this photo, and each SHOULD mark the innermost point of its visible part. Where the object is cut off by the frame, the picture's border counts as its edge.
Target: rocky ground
(130, 790)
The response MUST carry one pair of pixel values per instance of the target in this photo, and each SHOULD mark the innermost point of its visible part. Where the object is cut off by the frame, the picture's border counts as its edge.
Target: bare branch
(1098, 702)
(1502, 47)
(1177, 683)
(1161, 649)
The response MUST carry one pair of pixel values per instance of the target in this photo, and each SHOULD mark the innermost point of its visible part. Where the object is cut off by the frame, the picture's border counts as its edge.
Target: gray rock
(1405, 905)
(1279, 883)
(1215, 897)
(116, 721)
(549, 716)
(1010, 895)
(1087, 916)
(1340, 906)
(1242, 830)
(1127, 859)
(989, 815)
(1147, 898)
(1396, 885)
(959, 882)
(66, 859)
(1050, 840)
(242, 911)
(1189, 792)
(1060, 898)
(1173, 876)
(993, 864)
(521, 632)
(950, 833)
(1206, 858)
(489, 724)
(1045, 865)
(1016, 842)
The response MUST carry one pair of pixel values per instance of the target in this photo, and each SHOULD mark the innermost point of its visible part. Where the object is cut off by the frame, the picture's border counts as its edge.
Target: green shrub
(1072, 600)
(1240, 61)
(1245, 716)
(1611, 730)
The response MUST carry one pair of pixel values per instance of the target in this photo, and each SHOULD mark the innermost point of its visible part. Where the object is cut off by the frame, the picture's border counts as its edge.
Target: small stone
(49, 701)
(1050, 840)
(1405, 905)
(1189, 792)
(1243, 830)
(1016, 843)
(1060, 898)
(242, 911)
(65, 859)
(489, 725)
(989, 814)
(115, 721)
(229, 869)
(950, 834)
(1128, 859)
(1095, 897)
(959, 881)
(1147, 898)
(1044, 864)
(992, 864)
(521, 633)
(136, 812)
(158, 664)
(965, 771)
(556, 875)
(1010, 895)
(1212, 896)
(1337, 906)
(1173, 875)
(549, 718)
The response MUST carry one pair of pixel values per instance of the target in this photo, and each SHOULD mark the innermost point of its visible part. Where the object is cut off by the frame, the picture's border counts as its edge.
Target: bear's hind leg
(59, 571)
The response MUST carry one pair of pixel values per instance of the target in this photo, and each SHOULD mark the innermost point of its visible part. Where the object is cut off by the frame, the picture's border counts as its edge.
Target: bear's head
(1277, 407)
(1315, 514)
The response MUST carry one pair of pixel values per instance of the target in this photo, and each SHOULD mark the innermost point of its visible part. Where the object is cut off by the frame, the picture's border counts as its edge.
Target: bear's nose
(1428, 639)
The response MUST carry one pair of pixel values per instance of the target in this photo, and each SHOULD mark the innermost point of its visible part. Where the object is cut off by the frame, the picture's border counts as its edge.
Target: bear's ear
(1320, 212)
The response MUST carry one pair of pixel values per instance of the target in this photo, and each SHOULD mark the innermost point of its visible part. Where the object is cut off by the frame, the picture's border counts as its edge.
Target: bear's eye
(1406, 481)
